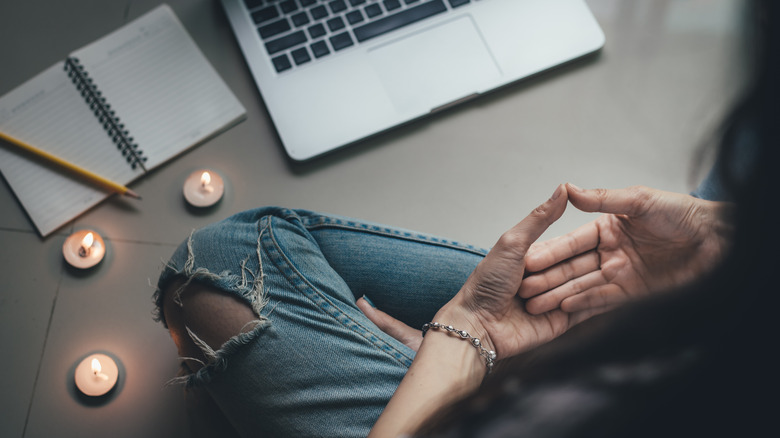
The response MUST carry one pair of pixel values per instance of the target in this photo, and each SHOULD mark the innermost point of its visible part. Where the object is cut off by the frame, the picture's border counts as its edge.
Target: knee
(204, 312)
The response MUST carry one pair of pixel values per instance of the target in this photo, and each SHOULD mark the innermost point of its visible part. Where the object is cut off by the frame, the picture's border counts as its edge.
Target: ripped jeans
(314, 365)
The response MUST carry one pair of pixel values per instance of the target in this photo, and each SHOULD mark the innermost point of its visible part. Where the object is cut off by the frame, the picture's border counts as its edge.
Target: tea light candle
(84, 249)
(203, 188)
(96, 375)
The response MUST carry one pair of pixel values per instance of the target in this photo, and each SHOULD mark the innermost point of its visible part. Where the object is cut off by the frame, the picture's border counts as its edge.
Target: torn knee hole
(205, 321)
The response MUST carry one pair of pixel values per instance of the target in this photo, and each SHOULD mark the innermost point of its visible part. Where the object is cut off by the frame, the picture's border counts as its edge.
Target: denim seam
(300, 282)
(326, 222)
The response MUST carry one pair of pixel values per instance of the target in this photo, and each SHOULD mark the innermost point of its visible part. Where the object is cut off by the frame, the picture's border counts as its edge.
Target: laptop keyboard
(296, 32)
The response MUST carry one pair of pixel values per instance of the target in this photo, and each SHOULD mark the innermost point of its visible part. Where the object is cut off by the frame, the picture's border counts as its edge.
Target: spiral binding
(111, 123)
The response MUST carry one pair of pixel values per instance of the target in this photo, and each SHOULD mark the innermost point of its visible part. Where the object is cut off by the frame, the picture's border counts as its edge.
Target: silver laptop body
(395, 71)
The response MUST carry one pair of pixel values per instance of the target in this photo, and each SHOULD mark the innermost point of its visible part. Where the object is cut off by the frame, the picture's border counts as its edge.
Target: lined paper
(156, 80)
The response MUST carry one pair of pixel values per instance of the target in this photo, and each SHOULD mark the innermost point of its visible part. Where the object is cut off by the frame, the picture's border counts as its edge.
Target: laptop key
(251, 4)
(336, 23)
(356, 2)
(341, 41)
(319, 12)
(288, 6)
(300, 19)
(317, 31)
(337, 6)
(320, 49)
(285, 42)
(266, 14)
(398, 20)
(354, 17)
(373, 10)
(305, 3)
(282, 63)
(300, 56)
(275, 28)
(391, 5)
(456, 3)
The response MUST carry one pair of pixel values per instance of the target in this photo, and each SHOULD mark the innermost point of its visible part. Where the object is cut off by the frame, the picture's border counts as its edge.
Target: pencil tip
(132, 194)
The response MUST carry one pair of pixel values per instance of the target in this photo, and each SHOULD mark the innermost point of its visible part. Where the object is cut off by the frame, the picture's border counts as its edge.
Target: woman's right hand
(648, 240)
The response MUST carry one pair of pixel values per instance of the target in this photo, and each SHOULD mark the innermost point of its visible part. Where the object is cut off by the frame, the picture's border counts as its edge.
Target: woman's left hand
(487, 305)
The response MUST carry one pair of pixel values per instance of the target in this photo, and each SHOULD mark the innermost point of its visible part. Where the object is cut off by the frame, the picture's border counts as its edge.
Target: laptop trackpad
(435, 66)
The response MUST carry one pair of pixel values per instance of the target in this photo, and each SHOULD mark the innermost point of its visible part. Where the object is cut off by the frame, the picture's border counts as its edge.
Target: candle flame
(86, 243)
(205, 179)
(97, 368)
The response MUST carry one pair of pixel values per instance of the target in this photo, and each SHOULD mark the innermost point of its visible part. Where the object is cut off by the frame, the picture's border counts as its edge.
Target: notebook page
(49, 113)
(159, 83)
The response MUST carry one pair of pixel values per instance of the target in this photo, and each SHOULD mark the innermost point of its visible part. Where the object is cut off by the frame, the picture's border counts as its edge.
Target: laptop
(334, 72)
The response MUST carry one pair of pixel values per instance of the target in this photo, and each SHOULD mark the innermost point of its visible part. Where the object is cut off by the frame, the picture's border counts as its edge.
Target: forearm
(446, 367)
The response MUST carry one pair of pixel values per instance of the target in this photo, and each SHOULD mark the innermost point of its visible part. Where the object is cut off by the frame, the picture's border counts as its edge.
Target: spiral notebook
(118, 107)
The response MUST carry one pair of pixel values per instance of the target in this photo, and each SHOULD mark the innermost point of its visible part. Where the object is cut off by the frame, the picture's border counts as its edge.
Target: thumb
(408, 336)
(632, 201)
(527, 231)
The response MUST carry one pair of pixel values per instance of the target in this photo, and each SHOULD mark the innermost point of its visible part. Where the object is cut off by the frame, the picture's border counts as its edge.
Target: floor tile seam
(43, 349)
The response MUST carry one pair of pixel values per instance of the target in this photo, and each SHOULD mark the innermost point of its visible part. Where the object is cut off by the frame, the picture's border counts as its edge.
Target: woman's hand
(648, 241)
(487, 305)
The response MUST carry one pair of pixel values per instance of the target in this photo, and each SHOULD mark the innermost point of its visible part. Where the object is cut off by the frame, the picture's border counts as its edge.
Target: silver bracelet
(489, 355)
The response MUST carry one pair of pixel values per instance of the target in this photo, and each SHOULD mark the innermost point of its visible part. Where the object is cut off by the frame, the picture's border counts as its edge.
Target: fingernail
(370, 303)
(556, 193)
(574, 188)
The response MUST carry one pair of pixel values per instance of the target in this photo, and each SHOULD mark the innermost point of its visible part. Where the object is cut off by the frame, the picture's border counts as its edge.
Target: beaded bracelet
(489, 355)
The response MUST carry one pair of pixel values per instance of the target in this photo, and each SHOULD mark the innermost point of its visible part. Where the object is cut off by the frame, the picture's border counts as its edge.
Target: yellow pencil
(87, 175)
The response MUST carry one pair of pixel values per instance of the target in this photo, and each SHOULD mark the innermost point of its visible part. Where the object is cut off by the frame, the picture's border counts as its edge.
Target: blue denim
(713, 187)
(314, 365)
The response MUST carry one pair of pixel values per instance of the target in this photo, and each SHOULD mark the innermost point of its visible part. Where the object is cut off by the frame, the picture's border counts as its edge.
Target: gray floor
(634, 114)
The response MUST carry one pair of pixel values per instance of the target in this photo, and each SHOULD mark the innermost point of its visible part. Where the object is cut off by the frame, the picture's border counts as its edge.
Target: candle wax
(100, 383)
(203, 192)
(74, 253)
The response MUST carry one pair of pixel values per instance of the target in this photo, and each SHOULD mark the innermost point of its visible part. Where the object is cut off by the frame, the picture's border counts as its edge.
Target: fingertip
(525, 293)
(364, 305)
(536, 307)
(533, 263)
(576, 193)
(572, 304)
(368, 300)
(531, 286)
(558, 191)
(588, 200)
(553, 207)
(566, 306)
(559, 200)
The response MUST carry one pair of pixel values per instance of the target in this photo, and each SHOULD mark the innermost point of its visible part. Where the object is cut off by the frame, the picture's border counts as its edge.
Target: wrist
(488, 356)
(462, 319)
(466, 366)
